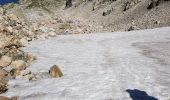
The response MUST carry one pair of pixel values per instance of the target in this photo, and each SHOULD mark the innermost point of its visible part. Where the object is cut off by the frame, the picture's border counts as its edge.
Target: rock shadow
(139, 95)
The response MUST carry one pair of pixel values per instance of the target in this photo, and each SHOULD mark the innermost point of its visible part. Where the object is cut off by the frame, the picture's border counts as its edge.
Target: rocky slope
(121, 15)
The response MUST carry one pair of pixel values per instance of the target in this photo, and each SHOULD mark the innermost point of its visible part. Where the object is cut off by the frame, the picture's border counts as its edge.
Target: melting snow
(99, 66)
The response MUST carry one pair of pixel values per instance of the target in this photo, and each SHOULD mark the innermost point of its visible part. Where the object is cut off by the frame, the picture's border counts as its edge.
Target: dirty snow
(99, 66)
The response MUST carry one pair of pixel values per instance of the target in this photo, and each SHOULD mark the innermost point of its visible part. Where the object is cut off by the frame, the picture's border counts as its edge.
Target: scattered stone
(126, 6)
(52, 34)
(24, 41)
(9, 29)
(3, 73)
(30, 76)
(55, 71)
(19, 65)
(131, 28)
(5, 61)
(107, 12)
(2, 27)
(3, 86)
(14, 98)
(7, 98)
(13, 17)
(30, 58)
(4, 98)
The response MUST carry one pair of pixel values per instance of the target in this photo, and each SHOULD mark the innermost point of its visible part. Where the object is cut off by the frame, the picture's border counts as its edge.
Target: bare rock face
(5, 61)
(55, 71)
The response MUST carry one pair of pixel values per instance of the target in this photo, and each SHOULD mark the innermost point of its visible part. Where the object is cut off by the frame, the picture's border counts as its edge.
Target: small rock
(2, 45)
(3, 73)
(9, 29)
(2, 27)
(30, 57)
(24, 41)
(55, 71)
(1, 10)
(52, 34)
(14, 73)
(3, 87)
(7, 98)
(19, 65)
(13, 17)
(14, 98)
(4, 98)
(60, 21)
(131, 28)
(5, 61)
(29, 75)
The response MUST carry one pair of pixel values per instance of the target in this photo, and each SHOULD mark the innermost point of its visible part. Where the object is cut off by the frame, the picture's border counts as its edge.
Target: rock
(14, 73)
(7, 98)
(3, 73)
(24, 41)
(9, 29)
(2, 27)
(4, 98)
(60, 21)
(43, 37)
(55, 71)
(30, 57)
(5, 61)
(2, 44)
(3, 87)
(29, 75)
(18, 65)
(13, 17)
(131, 28)
(14, 98)
(1, 10)
(52, 34)
(126, 6)
(107, 12)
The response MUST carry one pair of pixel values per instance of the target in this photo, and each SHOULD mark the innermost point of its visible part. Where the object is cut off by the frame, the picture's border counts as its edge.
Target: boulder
(17, 67)
(30, 58)
(13, 17)
(3, 86)
(52, 34)
(2, 27)
(5, 61)
(14, 73)
(7, 98)
(55, 71)
(1, 10)
(9, 29)
(4, 98)
(24, 41)
(3, 73)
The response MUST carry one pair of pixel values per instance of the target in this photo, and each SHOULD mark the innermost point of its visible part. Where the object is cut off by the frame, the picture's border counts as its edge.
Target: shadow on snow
(139, 95)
